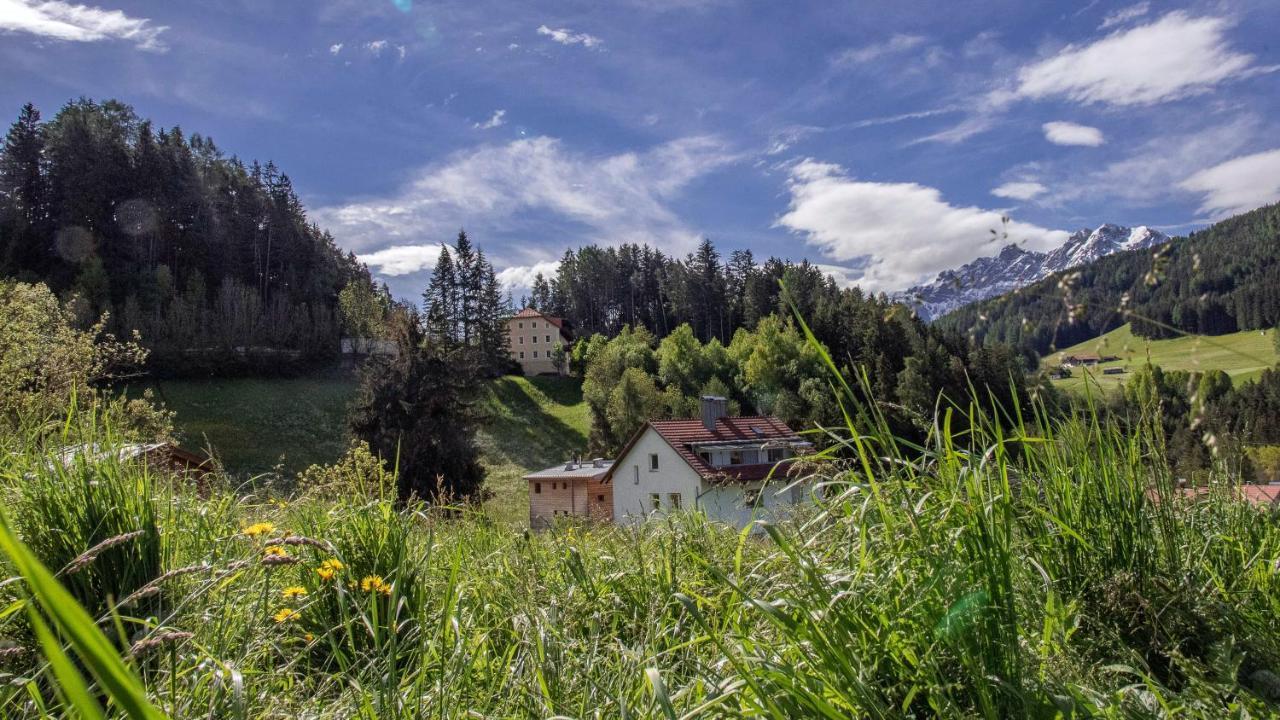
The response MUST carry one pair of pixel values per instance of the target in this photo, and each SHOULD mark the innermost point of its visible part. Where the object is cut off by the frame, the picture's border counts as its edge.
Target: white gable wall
(632, 500)
(634, 485)
(728, 503)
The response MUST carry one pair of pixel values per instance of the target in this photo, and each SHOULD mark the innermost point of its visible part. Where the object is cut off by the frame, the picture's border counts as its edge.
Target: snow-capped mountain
(1015, 267)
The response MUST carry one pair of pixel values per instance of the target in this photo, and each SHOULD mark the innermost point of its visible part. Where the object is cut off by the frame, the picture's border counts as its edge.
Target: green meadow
(1242, 355)
(256, 425)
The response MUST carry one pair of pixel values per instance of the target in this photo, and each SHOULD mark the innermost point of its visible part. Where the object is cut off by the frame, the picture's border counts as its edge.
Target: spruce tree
(468, 282)
(441, 301)
(416, 410)
(23, 185)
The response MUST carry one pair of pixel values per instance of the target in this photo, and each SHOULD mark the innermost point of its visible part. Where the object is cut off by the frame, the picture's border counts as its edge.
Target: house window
(548, 338)
(653, 462)
(673, 499)
(776, 454)
(537, 488)
(655, 501)
(521, 354)
(735, 457)
(521, 339)
(534, 324)
(599, 498)
(706, 457)
(750, 497)
(521, 325)
(535, 354)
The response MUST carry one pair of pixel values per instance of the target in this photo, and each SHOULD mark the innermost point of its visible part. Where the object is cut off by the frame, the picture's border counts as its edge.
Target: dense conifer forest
(212, 260)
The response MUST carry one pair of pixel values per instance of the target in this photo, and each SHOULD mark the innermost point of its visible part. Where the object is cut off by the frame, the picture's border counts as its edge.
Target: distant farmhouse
(1086, 360)
(533, 338)
(733, 469)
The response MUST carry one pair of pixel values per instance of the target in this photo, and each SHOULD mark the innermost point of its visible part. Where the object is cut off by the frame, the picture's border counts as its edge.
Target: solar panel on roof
(757, 431)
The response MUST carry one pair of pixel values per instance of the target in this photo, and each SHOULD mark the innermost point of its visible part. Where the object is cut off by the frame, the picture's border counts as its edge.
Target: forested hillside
(213, 261)
(1219, 280)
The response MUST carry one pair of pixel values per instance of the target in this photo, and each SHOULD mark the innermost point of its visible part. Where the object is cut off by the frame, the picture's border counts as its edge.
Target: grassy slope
(531, 423)
(1242, 355)
(255, 423)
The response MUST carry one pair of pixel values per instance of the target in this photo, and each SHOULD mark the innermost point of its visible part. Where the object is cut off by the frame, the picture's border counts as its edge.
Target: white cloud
(1174, 57)
(519, 278)
(1238, 185)
(565, 36)
(377, 46)
(495, 121)
(844, 277)
(1124, 15)
(896, 44)
(78, 23)
(1020, 190)
(905, 232)
(402, 259)
(335, 48)
(1069, 133)
(1147, 175)
(499, 190)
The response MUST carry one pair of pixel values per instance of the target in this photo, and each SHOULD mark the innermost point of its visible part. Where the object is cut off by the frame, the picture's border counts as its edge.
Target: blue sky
(884, 140)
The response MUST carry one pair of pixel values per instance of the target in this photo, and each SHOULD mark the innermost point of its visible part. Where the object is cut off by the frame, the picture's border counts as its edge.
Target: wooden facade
(570, 490)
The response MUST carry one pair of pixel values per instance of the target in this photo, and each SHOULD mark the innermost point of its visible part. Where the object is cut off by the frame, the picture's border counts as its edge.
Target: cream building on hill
(534, 338)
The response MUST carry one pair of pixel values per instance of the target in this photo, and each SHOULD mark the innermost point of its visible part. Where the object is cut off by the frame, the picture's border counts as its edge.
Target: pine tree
(469, 283)
(541, 297)
(417, 410)
(22, 184)
(441, 301)
(491, 320)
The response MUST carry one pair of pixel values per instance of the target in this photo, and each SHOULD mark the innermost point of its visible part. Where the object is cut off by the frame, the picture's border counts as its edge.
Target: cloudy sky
(885, 140)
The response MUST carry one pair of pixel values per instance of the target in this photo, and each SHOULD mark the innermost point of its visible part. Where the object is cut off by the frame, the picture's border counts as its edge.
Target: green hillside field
(255, 425)
(1243, 356)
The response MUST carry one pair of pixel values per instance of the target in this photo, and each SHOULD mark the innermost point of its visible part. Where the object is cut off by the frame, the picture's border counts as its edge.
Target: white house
(734, 469)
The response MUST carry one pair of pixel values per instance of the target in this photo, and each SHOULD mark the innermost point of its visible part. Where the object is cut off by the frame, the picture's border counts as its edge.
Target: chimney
(598, 462)
(713, 408)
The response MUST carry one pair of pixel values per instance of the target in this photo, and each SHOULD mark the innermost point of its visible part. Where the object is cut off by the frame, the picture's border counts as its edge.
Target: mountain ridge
(1015, 267)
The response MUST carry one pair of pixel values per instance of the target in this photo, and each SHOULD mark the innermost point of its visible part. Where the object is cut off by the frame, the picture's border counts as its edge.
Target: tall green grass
(1023, 567)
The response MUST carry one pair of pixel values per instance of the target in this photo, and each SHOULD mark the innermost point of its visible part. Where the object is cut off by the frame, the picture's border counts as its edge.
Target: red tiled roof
(531, 313)
(680, 434)
(1256, 494)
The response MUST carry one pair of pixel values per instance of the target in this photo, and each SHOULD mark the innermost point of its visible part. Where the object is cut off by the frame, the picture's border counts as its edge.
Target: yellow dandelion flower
(276, 550)
(371, 583)
(308, 637)
(333, 564)
(326, 573)
(262, 528)
(293, 592)
(286, 615)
